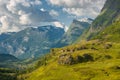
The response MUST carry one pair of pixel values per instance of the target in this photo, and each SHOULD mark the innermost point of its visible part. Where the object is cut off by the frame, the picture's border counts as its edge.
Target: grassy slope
(101, 69)
(105, 64)
(111, 33)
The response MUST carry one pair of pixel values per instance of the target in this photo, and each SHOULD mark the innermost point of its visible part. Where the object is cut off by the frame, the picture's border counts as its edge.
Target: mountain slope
(7, 57)
(109, 14)
(83, 61)
(32, 42)
(97, 59)
(111, 33)
(8, 61)
(75, 30)
(5, 36)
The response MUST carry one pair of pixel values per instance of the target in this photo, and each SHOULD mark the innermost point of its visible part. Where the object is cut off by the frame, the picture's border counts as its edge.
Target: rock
(65, 59)
(108, 46)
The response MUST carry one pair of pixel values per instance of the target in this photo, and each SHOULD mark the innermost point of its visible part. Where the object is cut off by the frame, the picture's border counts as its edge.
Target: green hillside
(111, 33)
(94, 57)
(110, 13)
(92, 60)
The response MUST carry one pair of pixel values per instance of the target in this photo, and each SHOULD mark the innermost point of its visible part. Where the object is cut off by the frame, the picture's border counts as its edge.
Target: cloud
(54, 13)
(91, 8)
(58, 24)
(16, 15)
(61, 25)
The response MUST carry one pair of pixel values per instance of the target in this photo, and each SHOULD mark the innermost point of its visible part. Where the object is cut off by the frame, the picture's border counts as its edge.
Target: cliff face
(75, 30)
(109, 14)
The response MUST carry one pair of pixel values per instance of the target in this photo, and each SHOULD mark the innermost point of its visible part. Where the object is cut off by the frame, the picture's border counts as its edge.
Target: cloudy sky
(16, 15)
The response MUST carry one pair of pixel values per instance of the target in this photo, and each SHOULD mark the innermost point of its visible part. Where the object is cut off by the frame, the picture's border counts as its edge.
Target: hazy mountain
(5, 36)
(32, 42)
(77, 27)
(7, 58)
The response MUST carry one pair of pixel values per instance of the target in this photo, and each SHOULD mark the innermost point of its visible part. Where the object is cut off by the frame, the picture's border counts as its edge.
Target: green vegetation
(91, 60)
(96, 59)
(111, 33)
(8, 74)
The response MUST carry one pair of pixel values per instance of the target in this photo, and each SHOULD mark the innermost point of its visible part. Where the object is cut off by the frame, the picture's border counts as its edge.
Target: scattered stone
(108, 46)
(65, 59)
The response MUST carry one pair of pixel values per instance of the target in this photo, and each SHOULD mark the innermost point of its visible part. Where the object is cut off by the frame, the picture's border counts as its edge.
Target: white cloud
(42, 9)
(91, 8)
(16, 15)
(5, 23)
(24, 19)
(54, 13)
(61, 25)
(58, 24)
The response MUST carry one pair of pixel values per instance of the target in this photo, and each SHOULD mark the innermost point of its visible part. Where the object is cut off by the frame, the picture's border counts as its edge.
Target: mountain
(77, 27)
(110, 33)
(8, 61)
(110, 13)
(7, 58)
(5, 36)
(97, 59)
(32, 42)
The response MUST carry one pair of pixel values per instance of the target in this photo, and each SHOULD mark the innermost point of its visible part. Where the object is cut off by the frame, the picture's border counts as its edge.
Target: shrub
(87, 57)
(79, 59)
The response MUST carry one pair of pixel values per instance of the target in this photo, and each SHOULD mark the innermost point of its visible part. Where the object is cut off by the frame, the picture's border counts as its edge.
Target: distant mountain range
(31, 42)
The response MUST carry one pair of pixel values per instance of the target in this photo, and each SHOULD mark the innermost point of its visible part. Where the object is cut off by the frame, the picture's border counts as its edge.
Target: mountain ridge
(32, 41)
(75, 30)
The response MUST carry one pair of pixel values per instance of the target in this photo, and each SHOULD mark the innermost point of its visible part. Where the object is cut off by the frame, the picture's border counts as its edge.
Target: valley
(88, 50)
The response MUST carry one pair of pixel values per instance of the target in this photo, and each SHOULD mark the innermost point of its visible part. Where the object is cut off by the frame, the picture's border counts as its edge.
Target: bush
(79, 59)
(87, 57)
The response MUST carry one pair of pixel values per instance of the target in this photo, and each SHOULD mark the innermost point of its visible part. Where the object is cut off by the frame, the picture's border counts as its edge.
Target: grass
(111, 33)
(106, 64)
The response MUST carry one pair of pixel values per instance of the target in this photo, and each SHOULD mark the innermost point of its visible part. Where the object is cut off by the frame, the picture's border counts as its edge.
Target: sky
(16, 15)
